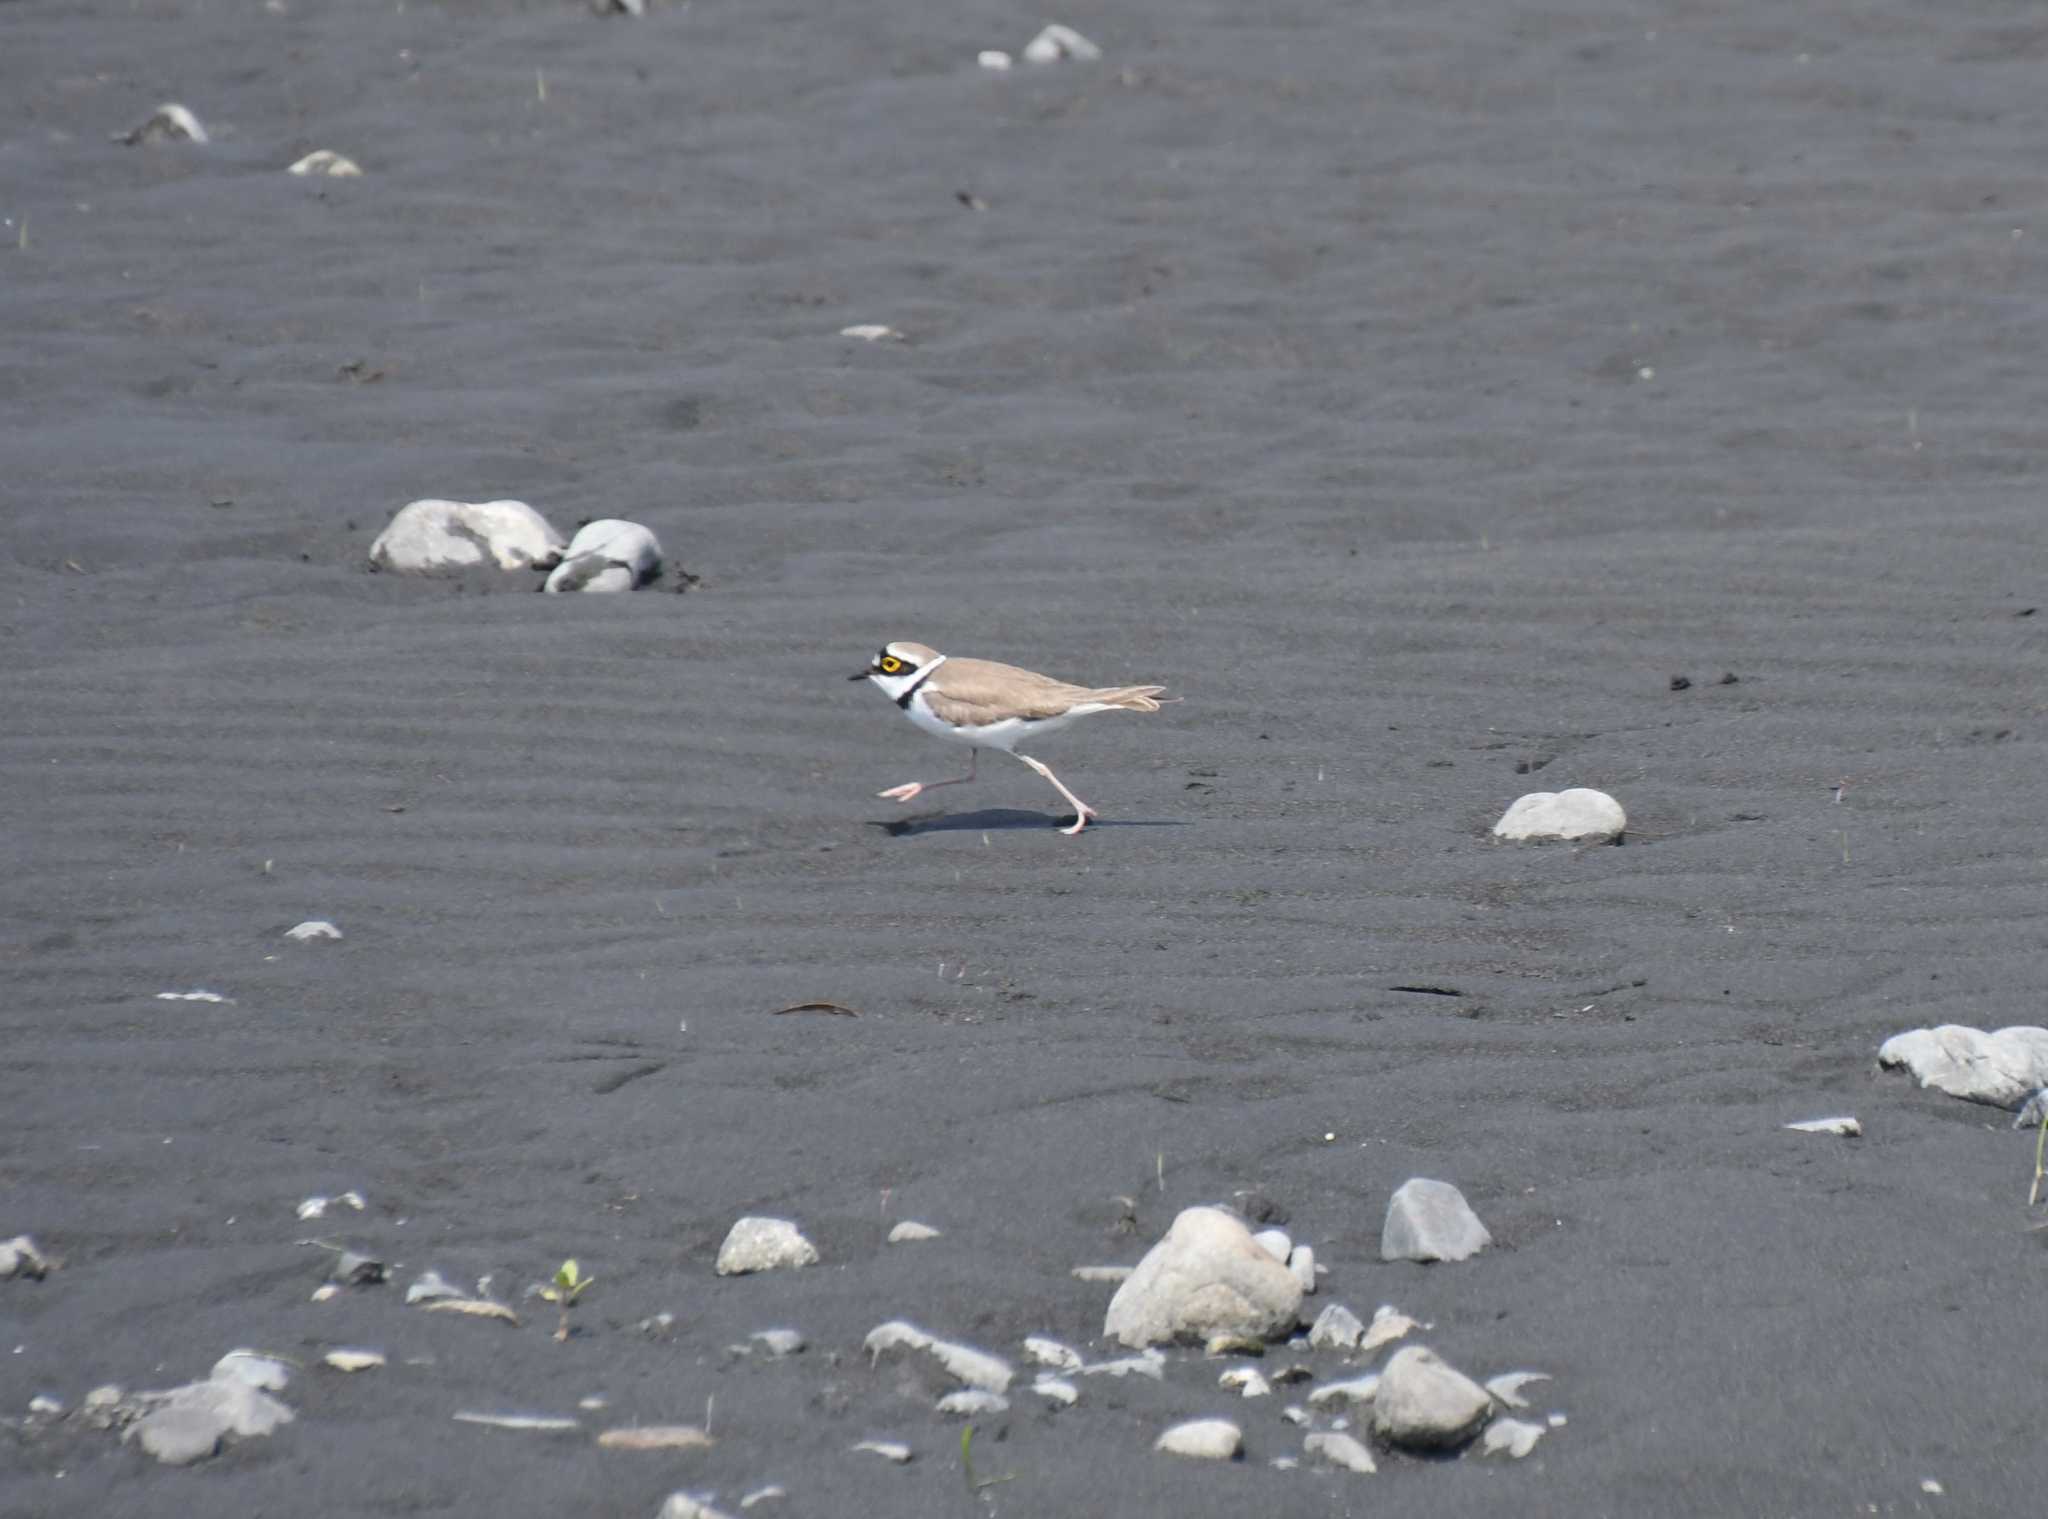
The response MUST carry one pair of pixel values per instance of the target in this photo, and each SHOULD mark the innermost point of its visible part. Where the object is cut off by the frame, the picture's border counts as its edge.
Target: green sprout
(967, 1464)
(568, 1286)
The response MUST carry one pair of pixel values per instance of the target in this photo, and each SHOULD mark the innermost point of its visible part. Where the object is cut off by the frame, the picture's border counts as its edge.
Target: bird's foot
(1082, 819)
(908, 792)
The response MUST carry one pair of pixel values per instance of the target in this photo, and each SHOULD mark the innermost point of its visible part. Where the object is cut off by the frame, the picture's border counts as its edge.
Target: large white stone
(1425, 1404)
(1580, 814)
(431, 535)
(1207, 1277)
(1431, 1221)
(1204, 1439)
(2000, 1068)
(188, 1423)
(607, 555)
(764, 1244)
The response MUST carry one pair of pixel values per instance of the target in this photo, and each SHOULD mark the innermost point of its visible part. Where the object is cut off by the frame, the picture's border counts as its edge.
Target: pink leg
(1082, 811)
(911, 790)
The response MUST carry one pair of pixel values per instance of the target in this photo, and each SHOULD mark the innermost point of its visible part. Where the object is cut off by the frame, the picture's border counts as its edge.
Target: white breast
(1004, 735)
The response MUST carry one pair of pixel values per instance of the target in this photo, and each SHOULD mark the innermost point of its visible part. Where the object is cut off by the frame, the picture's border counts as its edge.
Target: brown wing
(977, 692)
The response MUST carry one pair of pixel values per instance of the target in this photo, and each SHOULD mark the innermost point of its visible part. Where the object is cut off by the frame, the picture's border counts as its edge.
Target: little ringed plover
(985, 705)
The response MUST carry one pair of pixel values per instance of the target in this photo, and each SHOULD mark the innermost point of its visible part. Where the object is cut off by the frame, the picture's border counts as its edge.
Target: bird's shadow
(994, 819)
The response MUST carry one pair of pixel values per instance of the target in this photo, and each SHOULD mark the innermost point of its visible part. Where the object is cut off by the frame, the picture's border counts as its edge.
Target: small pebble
(910, 1231)
(1203, 1439)
(1431, 1221)
(171, 123)
(656, 1437)
(871, 332)
(762, 1495)
(888, 1450)
(541, 1423)
(1507, 1387)
(993, 58)
(1275, 1243)
(21, 1256)
(1340, 1450)
(1057, 1390)
(1842, 1128)
(1047, 1352)
(327, 164)
(1058, 43)
(313, 928)
(1388, 1325)
(973, 1402)
(1233, 1344)
(1512, 1438)
(1580, 814)
(1336, 1328)
(764, 1244)
(778, 1342)
(1357, 1390)
(1103, 1273)
(354, 1360)
(1246, 1381)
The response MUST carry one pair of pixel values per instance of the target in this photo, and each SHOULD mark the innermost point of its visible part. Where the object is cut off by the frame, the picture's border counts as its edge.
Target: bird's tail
(1132, 698)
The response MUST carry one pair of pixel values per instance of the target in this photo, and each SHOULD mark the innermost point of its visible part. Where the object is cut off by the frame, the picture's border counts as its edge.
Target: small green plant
(967, 1464)
(567, 1286)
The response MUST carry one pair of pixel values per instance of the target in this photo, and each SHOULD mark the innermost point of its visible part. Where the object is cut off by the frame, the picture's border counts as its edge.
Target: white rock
(1431, 1221)
(910, 1231)
(431, 535)
(1148, 1364)
(317, 1206)
(1205, 1439)
(547, 1424)
(684, 1506)
(1426, 1404)
(170, 123)
(993, 58)
(428, 1286)
(778, 1342)
(197, 996)
(762, 1495)
(1357, 1390)
(1208, 1276)
(1275, 1243)
(1059, 42)
(871, 332)
(44, 1404)
(1580, 814)
(888, 1450)
(2000, 1068)
(764, 1244)
(1048, 1352)
(328, 164)
(188, 1423)
(1388, 1325)
(1302, 1262)
(1057, 1390)
(607, 555)
(21, 1256)
(975, 1368)
(1507, 1387)
(1103, 1273)
(1336, 1328)
(1510, 1437)
(354, 1360)
(313, 928)
(1340, 1450)
(253, 1368)
(1842, 1128)
(973, 1402)
(1246, 1381)
(1294, 1413)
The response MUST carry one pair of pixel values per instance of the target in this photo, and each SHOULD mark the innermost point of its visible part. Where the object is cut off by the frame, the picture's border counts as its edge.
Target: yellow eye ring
(891, 665)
